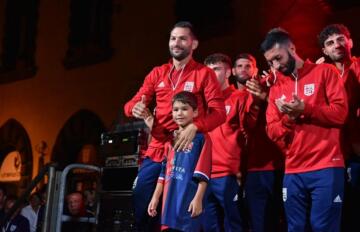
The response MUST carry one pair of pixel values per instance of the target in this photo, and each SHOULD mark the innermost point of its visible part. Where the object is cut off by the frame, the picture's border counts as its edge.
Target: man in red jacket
(336, 44)
(228, 143)
(264, 160)
(307, 108)
(182, 73)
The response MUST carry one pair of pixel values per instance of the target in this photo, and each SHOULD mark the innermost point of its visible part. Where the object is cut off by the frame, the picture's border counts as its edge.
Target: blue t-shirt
(180, 174)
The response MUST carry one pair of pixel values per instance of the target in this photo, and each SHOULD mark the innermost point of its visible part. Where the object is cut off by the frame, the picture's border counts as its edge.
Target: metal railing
(60, 207)
(50, 167)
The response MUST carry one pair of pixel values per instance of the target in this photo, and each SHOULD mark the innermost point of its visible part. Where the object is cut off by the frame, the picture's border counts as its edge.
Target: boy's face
(183, 114)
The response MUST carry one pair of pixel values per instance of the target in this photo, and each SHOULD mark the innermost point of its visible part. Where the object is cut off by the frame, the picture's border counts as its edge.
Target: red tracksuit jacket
(228, 139)
(195, 78)
(312, 142)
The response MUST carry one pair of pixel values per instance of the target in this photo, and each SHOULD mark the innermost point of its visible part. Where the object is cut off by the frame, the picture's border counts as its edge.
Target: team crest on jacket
(189, 86)
(227, 108)
(309, 89)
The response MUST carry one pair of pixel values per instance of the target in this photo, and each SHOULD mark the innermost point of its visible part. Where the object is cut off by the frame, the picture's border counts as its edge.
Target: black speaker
(118, 179)
(116, 213)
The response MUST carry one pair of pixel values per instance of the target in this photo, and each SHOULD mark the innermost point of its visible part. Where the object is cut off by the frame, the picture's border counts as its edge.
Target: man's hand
(293, 108)
(320, 60)
(253, 86)
(148, 118)
(184, 137)
(280, 102)
(139, 109)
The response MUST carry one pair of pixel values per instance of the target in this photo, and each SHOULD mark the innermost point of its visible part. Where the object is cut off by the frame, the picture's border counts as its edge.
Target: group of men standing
(288, 130)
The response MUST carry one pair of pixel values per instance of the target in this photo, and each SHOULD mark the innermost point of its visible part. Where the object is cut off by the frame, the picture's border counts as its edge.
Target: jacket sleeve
(215, 114)
(147, 89)
(162, 175)
(252, 111)
(334, 113)
(280, 128)
(202, 170)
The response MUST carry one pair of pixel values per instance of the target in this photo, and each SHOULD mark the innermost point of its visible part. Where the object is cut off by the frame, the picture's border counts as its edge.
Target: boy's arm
(155, 199)
(195, 206)
(158, 191)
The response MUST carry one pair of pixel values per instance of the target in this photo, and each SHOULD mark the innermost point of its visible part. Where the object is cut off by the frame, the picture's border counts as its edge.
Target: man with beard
(336, 44)
(307, 108)
(228, 145)
(244, 68)
(182, 73)
(264, 161)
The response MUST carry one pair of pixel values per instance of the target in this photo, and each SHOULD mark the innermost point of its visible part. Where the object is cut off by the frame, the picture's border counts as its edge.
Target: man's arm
(214, 103)
(213, 117)
(280, 127)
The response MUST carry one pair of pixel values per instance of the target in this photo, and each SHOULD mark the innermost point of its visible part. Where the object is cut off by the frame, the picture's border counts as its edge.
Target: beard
(339, 57)
(181, 55)
(242, 80)
(290, 66)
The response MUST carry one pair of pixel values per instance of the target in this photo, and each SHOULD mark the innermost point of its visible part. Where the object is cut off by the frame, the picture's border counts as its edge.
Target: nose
(337, 44)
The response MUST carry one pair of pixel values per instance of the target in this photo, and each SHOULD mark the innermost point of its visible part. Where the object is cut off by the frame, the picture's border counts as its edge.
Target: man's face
(222, 72)
(8, 205)
(280, 58)
(243, 70)
(35, 201)
(75, 204)
(337, 47)
(181, 43)
(183, 114)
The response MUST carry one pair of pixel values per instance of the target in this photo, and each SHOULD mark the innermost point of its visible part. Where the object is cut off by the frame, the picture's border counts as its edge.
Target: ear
(292, 49)
(324, 51)
(256, 71)
(351, 43)
(228, 73)
(196, 113)
(195, 44)
(233, 71)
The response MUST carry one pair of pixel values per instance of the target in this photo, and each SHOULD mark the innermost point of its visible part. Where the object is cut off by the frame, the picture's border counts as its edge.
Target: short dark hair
(35, 194)
(188, 25)
(273, 37)
(246, 56)
(75, 193)
(186, 97)
(216, 58)
(330, 30)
